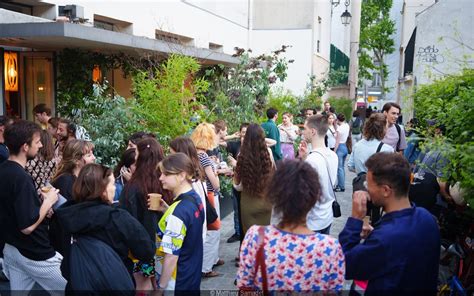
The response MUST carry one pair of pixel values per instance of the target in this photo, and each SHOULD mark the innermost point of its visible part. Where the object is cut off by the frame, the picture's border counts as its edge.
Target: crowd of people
(154, 220)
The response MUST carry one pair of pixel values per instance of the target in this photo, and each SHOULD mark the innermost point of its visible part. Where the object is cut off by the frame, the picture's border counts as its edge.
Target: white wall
(176, 17)
(265, 41)
(393, 60)
(444, 40)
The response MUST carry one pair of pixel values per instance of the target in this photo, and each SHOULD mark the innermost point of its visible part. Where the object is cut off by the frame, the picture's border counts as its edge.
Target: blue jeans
(341, 155)
(325, 230)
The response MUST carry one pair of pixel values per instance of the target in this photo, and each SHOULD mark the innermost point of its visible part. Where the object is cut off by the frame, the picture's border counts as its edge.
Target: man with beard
(29, 257)
(401, 255)
(65, 132)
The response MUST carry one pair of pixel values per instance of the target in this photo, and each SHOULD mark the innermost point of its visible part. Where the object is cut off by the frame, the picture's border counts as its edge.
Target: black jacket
(114, 226)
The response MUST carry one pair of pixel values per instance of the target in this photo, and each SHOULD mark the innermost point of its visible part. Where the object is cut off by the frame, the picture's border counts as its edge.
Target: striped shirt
(205, 162)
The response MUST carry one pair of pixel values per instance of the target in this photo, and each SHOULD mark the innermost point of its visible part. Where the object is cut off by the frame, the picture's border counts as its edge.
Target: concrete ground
(224, 284)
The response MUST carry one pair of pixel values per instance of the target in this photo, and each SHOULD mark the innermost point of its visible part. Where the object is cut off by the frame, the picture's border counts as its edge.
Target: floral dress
(294, 262)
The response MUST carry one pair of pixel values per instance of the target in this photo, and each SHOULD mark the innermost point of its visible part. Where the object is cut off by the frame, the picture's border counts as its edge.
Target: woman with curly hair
(254, 169)
(134, 199)
(296, 257)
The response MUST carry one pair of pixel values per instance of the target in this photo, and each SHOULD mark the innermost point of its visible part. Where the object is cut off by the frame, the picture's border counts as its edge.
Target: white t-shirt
(343, 130)
(321, 216)
(331, 133)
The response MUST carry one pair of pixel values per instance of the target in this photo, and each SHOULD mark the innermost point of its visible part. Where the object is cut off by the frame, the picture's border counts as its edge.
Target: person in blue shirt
(400, 254)
(180, 228)
(272, 132)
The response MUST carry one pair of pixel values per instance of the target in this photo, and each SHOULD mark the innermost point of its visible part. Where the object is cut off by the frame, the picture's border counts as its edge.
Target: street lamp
(346, 15)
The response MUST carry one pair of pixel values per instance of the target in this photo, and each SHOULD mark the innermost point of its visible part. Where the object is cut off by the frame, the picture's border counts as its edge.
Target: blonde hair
(204, 136)
(73, 151)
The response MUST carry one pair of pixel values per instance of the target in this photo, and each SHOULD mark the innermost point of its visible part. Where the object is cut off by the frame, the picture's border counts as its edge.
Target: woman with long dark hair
(134, 198)
(124, 170)
(254, 169)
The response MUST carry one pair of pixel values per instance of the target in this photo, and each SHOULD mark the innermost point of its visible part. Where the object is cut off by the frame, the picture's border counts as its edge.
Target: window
(318, 43)
(376, 80)
(103, 25)
(216, 47)
(173, 38)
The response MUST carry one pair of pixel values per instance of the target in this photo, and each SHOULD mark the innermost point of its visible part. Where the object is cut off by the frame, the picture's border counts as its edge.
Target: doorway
(38, 83)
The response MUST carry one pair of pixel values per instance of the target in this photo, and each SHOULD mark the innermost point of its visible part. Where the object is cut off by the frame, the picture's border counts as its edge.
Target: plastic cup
(155, 200)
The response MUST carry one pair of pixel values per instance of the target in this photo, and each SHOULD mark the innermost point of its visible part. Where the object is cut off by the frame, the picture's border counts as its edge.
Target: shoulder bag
(336, 208)
(260, 263)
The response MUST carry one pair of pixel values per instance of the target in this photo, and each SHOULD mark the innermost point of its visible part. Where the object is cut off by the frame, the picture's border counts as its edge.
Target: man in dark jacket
(401, 255)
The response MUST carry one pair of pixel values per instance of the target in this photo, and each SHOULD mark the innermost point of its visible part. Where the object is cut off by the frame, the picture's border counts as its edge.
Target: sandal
(210, 274)
(219, 263)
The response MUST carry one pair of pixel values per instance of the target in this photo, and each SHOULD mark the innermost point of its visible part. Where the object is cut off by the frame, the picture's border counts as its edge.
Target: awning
(56, 36)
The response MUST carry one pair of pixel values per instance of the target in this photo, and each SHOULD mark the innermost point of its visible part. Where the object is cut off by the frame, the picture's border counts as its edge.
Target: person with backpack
(180, 228)
(356, 127)
(395, 135)
(103, 236)
(373, 133)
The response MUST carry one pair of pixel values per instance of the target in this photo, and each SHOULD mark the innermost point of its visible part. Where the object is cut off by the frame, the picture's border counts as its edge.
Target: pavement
(224, 283)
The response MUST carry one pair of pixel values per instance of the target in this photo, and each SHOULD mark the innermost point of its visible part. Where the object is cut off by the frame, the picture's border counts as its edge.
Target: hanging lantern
(11, 71)
(96, 74)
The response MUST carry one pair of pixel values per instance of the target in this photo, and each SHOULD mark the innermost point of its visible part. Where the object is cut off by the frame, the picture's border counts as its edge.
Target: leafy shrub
(167, 99)
(239, 94)
(450, 101)
(342, 105)
(109, 121)
(283, 101)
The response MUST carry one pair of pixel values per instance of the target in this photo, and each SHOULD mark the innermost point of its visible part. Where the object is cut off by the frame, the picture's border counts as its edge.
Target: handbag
(336, 207)
(260, 262)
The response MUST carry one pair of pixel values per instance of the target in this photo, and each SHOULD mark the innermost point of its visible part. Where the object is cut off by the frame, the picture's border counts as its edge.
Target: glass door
(38, 82)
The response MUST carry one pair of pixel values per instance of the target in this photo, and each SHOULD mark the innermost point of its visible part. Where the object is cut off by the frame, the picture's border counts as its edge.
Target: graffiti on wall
(429, 54)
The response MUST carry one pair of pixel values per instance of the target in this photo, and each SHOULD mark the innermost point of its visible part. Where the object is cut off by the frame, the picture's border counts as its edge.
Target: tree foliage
(167, 100)
(450, 101)
(240, 93)
(376, 30)
(110, 120)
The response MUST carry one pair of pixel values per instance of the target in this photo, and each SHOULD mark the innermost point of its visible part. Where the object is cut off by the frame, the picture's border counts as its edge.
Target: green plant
(109, 121)
(284, 101)
(239, 94)
(342, 105)
(450, 101)
(167, 100)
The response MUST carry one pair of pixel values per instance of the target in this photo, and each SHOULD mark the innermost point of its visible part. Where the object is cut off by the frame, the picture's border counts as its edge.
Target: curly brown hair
(293, 191)
(254, 165)
(375, 127)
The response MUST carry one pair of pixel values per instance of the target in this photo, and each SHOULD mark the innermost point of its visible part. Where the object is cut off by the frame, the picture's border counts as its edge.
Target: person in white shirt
(324, 161)
(341, 151)
(288, 135)
(332, 133)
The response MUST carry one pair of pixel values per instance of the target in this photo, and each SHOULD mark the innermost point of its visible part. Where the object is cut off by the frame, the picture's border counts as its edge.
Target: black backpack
(94, 268)
(358, 184)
